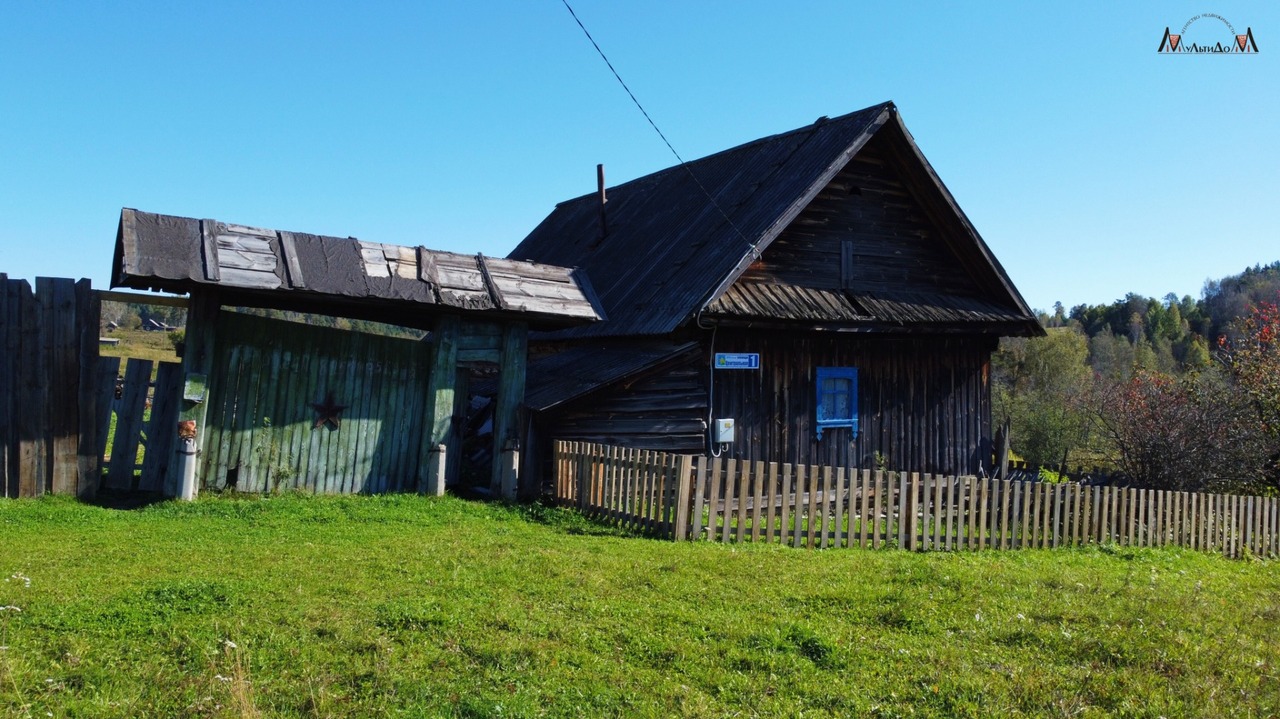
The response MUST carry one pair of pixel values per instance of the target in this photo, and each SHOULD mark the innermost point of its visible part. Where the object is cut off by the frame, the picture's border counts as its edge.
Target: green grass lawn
(410, 606)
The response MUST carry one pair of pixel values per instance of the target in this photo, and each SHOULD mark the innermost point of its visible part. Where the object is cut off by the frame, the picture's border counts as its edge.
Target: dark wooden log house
(830, 263)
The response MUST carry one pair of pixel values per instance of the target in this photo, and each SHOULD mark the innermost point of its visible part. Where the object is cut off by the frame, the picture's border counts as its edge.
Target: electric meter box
(724, 431)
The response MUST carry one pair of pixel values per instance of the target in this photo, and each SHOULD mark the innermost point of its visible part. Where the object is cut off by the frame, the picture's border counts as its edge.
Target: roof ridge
(824, 120)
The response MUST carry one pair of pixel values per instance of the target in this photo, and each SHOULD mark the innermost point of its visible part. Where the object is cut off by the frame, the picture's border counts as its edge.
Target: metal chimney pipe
(604, 223)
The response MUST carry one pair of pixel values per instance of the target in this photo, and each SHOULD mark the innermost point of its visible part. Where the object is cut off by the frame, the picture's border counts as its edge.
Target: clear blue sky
(1091, 165)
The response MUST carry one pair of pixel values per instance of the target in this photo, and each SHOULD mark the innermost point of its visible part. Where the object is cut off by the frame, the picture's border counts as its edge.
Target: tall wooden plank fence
(48, 356)
(685, 497)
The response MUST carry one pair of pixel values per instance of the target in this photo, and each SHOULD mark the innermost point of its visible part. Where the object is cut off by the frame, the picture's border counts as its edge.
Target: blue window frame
(837, 398)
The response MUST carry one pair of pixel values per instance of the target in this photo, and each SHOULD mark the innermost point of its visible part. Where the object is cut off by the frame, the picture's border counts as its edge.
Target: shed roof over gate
(333, 275)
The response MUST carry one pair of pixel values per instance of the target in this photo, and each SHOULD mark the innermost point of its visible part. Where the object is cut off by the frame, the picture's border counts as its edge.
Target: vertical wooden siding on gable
(865, 232)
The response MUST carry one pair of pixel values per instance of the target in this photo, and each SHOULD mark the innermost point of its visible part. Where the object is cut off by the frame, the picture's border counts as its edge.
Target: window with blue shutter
(837, 398)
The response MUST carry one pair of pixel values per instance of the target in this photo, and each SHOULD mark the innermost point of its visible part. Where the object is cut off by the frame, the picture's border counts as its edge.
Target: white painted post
(510, 469)
(187, 460)
(436, 462)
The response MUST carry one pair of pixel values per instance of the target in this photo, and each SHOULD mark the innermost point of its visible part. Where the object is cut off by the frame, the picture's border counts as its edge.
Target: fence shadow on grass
(570, 521)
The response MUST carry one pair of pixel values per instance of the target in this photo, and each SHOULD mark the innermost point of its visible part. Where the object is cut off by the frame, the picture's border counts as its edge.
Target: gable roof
(340, 275)
(669, 252)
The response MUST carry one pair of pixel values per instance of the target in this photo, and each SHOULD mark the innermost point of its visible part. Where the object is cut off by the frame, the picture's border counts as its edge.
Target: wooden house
(285, 405)
(820, 288)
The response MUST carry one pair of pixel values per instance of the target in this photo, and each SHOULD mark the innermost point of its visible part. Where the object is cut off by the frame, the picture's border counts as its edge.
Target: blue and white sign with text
(737, 360)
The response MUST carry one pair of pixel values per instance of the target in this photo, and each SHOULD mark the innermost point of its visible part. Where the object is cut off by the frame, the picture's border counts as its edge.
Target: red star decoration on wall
(328, 411)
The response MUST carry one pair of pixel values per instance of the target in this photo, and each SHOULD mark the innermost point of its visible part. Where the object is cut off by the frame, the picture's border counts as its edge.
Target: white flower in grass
(229, 644)
(977, 617)
(221, 678)
(1022, 617)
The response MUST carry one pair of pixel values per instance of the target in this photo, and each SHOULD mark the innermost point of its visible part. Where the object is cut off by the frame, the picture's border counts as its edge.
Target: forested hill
(1168, 334)
(1175, 394)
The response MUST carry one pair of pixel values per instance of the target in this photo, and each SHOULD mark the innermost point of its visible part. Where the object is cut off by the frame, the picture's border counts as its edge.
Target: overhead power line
(654, 125)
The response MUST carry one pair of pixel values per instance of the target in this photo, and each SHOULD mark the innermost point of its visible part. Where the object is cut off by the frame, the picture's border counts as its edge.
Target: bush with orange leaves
(1253, 359)
(1217, 430)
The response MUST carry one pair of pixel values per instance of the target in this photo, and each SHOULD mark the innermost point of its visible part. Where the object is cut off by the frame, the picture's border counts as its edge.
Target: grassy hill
(410, 606)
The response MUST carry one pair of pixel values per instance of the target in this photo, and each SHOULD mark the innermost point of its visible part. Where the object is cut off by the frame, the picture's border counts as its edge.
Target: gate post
(507, 425)
(438, 429)
(197, 371)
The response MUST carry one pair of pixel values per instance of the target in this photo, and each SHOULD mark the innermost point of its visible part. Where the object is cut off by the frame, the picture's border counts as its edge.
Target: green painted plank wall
(262, 434)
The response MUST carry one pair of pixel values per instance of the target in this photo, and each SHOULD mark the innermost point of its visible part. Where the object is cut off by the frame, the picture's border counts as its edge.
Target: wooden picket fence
(684, 497)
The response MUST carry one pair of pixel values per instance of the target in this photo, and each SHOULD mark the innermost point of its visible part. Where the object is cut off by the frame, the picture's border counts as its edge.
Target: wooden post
(684, 483)
(438, 427)
(197, 372)
(507, 425)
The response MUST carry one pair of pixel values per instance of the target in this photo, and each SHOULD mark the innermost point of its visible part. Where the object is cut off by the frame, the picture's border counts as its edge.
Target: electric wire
(654, 125)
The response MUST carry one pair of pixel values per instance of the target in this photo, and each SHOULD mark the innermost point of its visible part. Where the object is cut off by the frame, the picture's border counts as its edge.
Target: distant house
(821, 288)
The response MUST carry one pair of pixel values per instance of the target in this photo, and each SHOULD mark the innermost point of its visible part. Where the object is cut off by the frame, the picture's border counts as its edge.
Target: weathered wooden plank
(797, 519)
(700, 492)
(88, 310)
(427, 267)
(984, 505)
(731, 496)
(864, 500)
(209, 250)
(241, 260)
(247, 418)
(31, 425)
(129, 424)
(104, 400)
(879, 538)
(292, 266)
(459, 277)
(219, 432)
(162, 428)
(847, 515)
(276, 419)
(941, 487)
(684, 496)
(9, 331)
(825, 508)
(971, 505)
(61, 349)
(236, 243)
(904, 507)
(495, 294)
(757, 498)
(253, 279)
(713, 499)
(811, 515)
(771, 509)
